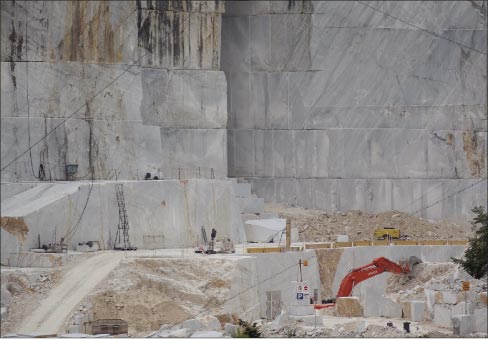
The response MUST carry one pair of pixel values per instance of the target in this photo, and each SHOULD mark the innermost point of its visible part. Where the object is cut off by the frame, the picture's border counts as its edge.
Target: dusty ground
(28, 287)
(341, 327)
(148, 293)
(76, 283)
(319, 226)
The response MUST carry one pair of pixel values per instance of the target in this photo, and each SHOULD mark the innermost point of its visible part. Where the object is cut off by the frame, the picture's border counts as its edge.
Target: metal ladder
(123, 227)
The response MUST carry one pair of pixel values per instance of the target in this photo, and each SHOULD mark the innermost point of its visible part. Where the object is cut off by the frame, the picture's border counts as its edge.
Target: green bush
(476, 256)
(248, 330)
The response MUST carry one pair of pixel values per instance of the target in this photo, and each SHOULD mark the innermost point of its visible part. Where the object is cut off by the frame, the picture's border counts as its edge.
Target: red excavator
(376, 267)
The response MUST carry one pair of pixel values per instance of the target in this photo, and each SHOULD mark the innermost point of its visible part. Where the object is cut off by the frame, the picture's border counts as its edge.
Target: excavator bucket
(412, 261)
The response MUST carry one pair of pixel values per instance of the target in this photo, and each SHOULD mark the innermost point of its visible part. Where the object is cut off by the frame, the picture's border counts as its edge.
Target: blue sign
(299, 296)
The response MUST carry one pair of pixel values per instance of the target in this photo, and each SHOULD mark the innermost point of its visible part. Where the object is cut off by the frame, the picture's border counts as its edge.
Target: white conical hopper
(264, 230)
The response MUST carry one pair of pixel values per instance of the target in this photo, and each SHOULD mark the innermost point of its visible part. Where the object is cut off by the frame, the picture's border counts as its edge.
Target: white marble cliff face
(333, 93)
(137, 82)
(315, 97)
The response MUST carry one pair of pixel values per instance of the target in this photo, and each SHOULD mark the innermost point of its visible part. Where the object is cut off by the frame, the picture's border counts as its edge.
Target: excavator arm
(376, 267)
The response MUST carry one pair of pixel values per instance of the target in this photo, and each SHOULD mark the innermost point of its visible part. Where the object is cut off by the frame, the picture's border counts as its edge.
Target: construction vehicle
(376, 267)
(387, 233)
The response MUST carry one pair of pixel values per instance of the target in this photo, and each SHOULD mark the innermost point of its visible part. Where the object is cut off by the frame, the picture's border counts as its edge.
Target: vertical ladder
(123, 228)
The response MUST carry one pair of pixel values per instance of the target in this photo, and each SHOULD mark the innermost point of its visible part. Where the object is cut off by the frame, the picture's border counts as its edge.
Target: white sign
(302, 291)
(302, 287)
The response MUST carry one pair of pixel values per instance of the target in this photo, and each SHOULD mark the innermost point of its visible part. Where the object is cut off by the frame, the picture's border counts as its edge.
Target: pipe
(288, 235)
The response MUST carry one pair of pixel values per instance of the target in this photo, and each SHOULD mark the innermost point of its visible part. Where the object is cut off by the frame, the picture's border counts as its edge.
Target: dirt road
(50, 316)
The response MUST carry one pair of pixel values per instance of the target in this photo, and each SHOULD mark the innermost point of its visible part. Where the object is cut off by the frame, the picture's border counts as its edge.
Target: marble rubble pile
(207, 326)
(440, 299)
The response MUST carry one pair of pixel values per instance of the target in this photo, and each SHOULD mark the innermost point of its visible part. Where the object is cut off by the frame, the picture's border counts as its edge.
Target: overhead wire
(71, 231)
(27, 95)
(130, 66)
(447, 196)
(212, 303)
(421, 28)
(63, 121)
(219, 303)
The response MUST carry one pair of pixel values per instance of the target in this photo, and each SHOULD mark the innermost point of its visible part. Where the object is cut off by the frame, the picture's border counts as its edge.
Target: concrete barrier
(362, 243)
(342, 244)
(379, 243)
(405, 243)
(262, 250)
(458, 242)
(318, 245)
(432, 243)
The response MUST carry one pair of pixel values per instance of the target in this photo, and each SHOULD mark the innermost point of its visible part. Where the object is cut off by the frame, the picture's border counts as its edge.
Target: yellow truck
(386, 233)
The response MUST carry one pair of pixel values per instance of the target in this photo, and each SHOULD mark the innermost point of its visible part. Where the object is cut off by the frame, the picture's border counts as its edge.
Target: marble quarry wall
(334, 105)
(152, 68)
(161, 214)
(321, 104)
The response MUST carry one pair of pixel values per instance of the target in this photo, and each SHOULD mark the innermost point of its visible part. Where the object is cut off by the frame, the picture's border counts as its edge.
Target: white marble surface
(337, 106)
(167, 112)
(162, 214)
(145, 121)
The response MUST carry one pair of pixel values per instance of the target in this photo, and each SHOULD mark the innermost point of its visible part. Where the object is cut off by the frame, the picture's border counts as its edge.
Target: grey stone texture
(120, 88)
(480, 317)
(323, 104)
(161, 214)
(463, 325)
(334, 105)
(167, 34)
(417, 309)
(251, 205)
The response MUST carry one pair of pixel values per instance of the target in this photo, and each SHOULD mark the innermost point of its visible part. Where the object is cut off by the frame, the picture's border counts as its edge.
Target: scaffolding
(123, 228)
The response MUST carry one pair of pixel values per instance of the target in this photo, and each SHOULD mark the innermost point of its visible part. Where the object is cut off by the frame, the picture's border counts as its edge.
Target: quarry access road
(75, 284)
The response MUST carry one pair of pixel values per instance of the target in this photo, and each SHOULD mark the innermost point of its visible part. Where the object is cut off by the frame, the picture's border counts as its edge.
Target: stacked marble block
(152, 68)
(249, 203)
(413, 310)
(445, 307)
(334, 106)
(348, 307)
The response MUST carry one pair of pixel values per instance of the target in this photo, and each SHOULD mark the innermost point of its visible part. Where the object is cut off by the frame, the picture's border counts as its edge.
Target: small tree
(476, 256)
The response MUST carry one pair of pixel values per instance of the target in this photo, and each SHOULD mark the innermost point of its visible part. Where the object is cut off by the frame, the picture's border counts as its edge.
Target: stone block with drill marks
(463, 308)
(413, 310)
(463, 324)
(483, 298)
(442, 316)
(480, 317)
(348, 306)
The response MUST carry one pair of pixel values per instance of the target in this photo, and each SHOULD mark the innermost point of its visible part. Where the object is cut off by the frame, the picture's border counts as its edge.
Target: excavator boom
(376, 267)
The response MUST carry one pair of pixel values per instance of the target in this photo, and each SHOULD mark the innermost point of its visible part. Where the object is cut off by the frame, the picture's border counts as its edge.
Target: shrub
(475, 260)
(248, 330)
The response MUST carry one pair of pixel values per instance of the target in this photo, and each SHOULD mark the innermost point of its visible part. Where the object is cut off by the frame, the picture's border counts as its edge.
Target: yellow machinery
(387, 233)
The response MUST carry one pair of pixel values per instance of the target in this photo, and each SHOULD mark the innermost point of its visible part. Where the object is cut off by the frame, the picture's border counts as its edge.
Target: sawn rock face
(336, 105)
(120, 88)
